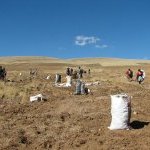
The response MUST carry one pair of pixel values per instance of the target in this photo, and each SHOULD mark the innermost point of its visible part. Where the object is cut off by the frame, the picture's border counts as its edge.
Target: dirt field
(66, 121)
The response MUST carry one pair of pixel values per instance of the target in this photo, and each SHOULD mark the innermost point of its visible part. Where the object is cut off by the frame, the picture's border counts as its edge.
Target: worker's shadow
(138, 124)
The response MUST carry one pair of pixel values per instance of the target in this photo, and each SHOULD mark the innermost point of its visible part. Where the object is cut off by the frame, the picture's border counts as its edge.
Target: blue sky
(75, 28)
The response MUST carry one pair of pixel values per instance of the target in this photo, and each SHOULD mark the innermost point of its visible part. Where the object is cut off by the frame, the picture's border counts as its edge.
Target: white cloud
(85, 40)
(82, 40)
(101, 46)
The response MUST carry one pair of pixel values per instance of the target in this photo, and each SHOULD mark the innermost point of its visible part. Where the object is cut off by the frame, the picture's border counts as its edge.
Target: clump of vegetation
(22, 137)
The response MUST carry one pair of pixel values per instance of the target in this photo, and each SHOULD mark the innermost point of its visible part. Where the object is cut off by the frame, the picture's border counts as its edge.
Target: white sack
(69, 81)
(57, 78)
(143, 76)
(120, 111)
(62, 85)
(36, 98)
(48, 77)
(67, 84)
(92, 83)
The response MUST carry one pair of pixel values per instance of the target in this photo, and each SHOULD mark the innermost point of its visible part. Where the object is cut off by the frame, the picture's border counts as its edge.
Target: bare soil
(67, 121)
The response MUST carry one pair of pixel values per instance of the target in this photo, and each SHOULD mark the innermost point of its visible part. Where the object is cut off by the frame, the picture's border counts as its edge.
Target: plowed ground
(71, 122)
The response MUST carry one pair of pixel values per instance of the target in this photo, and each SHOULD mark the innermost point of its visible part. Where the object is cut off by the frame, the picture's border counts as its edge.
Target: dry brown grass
(66, 121)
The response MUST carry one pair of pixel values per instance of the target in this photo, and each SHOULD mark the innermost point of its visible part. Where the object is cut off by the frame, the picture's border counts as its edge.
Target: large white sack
(120, 111)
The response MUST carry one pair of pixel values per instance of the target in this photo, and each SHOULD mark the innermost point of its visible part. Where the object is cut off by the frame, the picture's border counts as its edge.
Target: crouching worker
(140, 76)
(80, 88)
(129, 74)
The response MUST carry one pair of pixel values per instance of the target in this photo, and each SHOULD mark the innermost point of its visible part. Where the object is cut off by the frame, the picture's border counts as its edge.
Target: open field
(66, 121)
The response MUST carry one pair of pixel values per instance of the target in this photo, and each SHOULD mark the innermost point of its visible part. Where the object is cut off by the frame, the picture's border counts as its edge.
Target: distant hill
(29, 59)
(108, 61)
(78, 61)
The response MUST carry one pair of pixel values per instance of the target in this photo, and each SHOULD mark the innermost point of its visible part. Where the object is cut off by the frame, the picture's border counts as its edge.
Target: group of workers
(140, 75)
(76, 74)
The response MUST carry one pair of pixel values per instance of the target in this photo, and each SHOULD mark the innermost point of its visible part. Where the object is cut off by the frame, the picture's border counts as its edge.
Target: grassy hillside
(67, 121)
(77, 61)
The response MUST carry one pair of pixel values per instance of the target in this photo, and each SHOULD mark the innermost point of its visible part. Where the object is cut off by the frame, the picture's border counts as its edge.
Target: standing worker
(80, 73)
